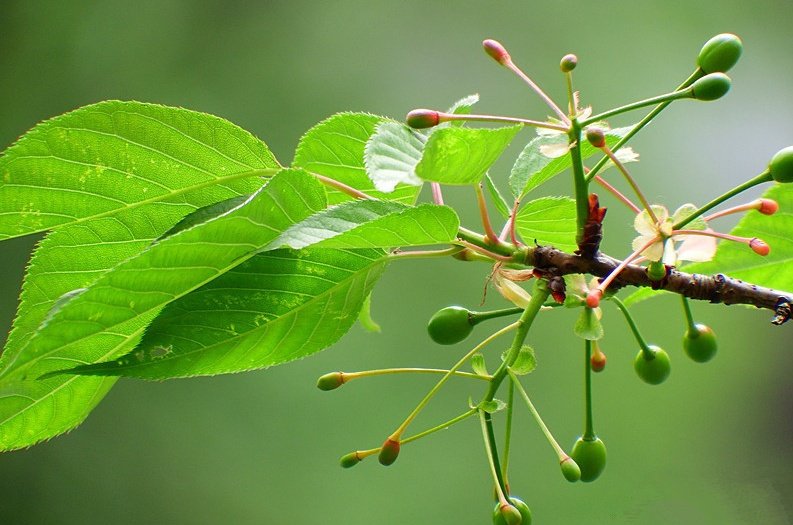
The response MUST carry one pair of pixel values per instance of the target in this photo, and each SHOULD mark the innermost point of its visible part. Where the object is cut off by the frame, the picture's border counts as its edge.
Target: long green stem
(349, 376)
(635, 187)
(632, 324)
(446, 117)
(660, 99)
(536, 415)
(425, 254)
(642, 123)
(689, 318)
(508, 430)
(492, 455)
(579, 180)
(478, 317)
(759, 179)
(395, 436)
(589, 428)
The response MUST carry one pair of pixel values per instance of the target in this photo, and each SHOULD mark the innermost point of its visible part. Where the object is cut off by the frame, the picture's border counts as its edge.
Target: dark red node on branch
(593, 229)
(558, 288)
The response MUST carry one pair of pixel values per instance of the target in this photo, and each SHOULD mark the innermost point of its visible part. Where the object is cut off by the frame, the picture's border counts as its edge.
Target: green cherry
(450, 325)
(350, 460)
(568, 63)
(700, 344)
(570, 469)
(720, 53)
(711, 87)
(652, 365)
(590, 455)
(330, 381)
(507, 516)
(389, 452)
(781, 165)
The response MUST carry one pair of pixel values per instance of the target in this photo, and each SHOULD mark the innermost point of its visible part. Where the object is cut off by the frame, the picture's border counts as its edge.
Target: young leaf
(526, 361)
(372, 224)
(588, 325)
(391, 156)
(548, 221)
(276, 307)
(335, 148)
(463, 107)
(478, 364)
(365, 316)
(533, 168)
(492, 406)
(461, 156)
(498, 200)
(115, 308)
(113, 156)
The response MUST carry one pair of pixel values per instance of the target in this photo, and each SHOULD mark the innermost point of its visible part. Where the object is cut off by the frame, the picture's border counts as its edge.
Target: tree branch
(717, 288)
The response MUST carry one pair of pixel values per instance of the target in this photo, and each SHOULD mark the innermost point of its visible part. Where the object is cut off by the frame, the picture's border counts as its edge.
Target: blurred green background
(711, 446)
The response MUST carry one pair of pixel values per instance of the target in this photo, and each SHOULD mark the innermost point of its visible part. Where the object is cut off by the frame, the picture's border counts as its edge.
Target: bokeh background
(711, 446)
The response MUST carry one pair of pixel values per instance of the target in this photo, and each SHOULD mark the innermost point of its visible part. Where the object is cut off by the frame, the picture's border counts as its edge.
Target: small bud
(720, 53)
(330, 381)
(423, 118)
(570, 469)
(781, 165)
(598, 360)
(759, 247)
(350, 460)
(767, 206)
(568, 63)
(389, 452)
(711, 87)
(496, 51)
(593, 298)
(596, 137)
(656, 271)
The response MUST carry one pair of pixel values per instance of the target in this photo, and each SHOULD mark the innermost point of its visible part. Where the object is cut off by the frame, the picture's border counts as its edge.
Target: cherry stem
(759, 179)
(536, 415)
(580, 184)
(485, 251)
(349, 190)
(632, 182)
(425, 254)
(478, 317)
(485, 216)
(437, 194)
(608, 280)
(697, 74)
(492, 456)
(754, 205)
(349, 376)
(660, 99)
(478, 239)
(446, 117)
(568, 78)
(718, 235)
(689, 318)
(614, 191)
(401, 429)
(628, 317)
(551, 104)
(589, 428)
(508, 431)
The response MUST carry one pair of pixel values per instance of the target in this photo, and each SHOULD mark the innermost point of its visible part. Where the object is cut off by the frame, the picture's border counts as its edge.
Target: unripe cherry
(700, 344)
(423, 118)
(450, 325)
(720, 53)
(590, 455)
(570, 469)
(654, 368)
(350, 460)
(781, 165)
(389, 452)
(596, 137)
(598, 360)
(330, 381)
(496, 51)
(518, 513)
(568, 63)
(711, 87)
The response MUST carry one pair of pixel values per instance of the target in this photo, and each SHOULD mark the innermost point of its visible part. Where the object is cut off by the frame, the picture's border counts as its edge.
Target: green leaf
(335, 148)
(113, 156)
(275, 307)
(372, 224)
(392, 154)
(463, 107)
(588, 325)
(526, 361)
(113, 311)
(478, 364)
(533, 168)
(498, 200)
(365, 316)
(550, 221)
(461, 156)
(738, 261)
(493, 406)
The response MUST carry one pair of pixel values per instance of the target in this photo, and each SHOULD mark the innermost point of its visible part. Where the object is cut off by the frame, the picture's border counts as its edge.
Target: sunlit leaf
(550, 221)
(392, 154)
